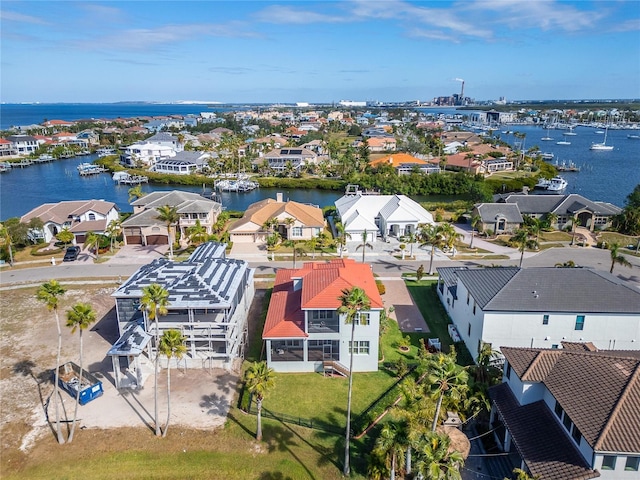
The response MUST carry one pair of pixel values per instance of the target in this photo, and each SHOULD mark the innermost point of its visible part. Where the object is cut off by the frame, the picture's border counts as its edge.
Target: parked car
(71, 254)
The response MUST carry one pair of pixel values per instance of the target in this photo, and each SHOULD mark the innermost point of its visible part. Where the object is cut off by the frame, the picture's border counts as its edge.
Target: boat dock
(86, 169)
(124, 178)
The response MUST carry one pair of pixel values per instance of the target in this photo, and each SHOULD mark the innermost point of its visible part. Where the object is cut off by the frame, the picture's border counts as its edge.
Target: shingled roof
(258, 213)
(598, 390)
(546, 289)
(322, 284)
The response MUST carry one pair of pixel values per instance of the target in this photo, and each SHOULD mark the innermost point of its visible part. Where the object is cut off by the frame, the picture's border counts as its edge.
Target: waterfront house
(307, 221)
(167, 140)
(209, 300)
(591, 215)
(183, 163)
(23, 144)
(144, 228)
(379, 215)
(145, 154)
(540, 307)
(570, 414)
(404, 164)
(498, 217)
(303, 331)
(7, 148)
(78, 216)
(280, 159)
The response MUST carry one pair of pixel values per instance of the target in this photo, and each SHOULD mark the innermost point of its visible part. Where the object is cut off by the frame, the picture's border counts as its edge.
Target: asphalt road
(382, 266)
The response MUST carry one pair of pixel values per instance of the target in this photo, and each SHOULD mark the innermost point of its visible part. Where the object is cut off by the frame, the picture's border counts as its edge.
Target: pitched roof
(559, 204)
(489, 212)
(548, 289)
(598, 390)
(258, 213)
(61, 212)
(177, 198)
(398, 159)
(203, 281)
(539, 438)
(322, 284)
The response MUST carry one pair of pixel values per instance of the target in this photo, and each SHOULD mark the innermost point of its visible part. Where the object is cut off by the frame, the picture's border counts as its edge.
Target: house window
(296, 231)
(359, 347)
(545, 319)
(365, 318)
(609, 462)
(566, 421)
(555, 345)
(575, 433)
(474, 307)
(632, 464)
(580, 322)
(508, 371)
(469, 330)
(468, 296)
(558, 409)
(92, 216)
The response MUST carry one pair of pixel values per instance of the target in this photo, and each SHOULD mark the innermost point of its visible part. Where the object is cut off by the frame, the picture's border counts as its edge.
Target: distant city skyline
(318, 52)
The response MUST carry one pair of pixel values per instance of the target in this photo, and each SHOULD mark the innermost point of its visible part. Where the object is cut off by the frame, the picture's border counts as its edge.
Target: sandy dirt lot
(199, 398)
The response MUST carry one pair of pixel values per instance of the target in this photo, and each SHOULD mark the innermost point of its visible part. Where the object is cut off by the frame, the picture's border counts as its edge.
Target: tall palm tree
(449, 235)
(289, 222)
(475, 221)
(365, 244)
(391, 445)
(171, 346)
(49, 293)
(113, 230)
(197, 233)
(154, 301)
(521, 238)
(92, 240)
(447, 379)
(80, 317)
(434, 460)
(352, 302)
(171, 217)
(259, 379)
(312, 244)
(297, 248)
(574, 224)
(430, 235)
(342, 235)
(617, 257)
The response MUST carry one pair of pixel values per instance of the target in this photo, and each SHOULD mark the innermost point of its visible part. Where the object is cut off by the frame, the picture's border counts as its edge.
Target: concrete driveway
(406, 312)
(138, 254)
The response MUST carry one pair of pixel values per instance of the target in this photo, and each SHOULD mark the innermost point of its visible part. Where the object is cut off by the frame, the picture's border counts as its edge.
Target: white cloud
(289, 15)
(19, 17)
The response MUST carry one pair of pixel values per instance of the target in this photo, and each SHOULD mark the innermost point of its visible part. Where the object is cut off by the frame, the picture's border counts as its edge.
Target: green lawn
(434, 314)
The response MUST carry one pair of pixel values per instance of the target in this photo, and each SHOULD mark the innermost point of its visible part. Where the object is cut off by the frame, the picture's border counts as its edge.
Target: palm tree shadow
(129, 396)
(26, 369)
(215, 404)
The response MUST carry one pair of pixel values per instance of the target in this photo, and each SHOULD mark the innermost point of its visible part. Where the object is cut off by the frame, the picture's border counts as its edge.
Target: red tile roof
(322, 284)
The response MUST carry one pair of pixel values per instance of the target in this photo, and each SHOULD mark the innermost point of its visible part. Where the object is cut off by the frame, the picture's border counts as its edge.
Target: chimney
(279, 197)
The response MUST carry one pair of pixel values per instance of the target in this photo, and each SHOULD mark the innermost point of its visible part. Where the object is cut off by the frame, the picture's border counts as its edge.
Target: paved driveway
(406, 312)
(138, 254)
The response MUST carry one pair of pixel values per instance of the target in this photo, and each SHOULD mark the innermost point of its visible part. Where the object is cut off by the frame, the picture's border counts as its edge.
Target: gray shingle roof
(558, 204)
(546, 289)
(490, 211)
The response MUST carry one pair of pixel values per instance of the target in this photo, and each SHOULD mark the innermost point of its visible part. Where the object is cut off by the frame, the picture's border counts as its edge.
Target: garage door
(134, 240)
(157, 240)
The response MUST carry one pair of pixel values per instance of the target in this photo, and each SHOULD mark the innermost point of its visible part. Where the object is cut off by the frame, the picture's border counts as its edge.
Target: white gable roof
(360, 211)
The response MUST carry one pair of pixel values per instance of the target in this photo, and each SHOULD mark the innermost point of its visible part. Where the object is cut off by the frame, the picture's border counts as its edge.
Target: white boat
(547, 156)
(104, 152)
(556, 184)
(602, 146)
(633, 136)
(563, 142)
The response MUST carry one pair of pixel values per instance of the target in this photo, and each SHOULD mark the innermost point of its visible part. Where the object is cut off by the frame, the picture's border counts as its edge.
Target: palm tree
(154, 301)
(434, 460)
(65, 236)
(113, 230)
(550, 219)
(197, 233)
(352, 302)
(574, 224)
(342, 237)
(171, 217)
(617, 258)
(135, 193)
(92, 240)
(446, 379)
(391, 445)
(80, 317)
(430, 235)
(289, 222)
(171, 345)
(449, 235)
(475, 221)
(521, 238)
(49, 293)
(523, 475)
(364, 245)
(259, 379)
(312, 244)
(297, 248)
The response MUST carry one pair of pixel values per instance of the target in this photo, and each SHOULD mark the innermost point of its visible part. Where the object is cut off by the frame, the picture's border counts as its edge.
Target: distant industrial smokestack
(462, 89)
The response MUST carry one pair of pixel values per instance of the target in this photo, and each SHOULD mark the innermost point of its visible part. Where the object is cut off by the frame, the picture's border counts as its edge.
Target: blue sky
(262, 51)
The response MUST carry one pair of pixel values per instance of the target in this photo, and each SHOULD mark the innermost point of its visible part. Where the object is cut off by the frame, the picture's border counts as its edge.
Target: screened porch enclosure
(304, 351)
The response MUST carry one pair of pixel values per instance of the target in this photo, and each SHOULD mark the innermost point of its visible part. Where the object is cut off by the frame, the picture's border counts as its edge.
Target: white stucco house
(380, 215)
(303, 330)
(78, 216)
(570, 414)
(540, 307)
(209, 300)
(145, 154)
